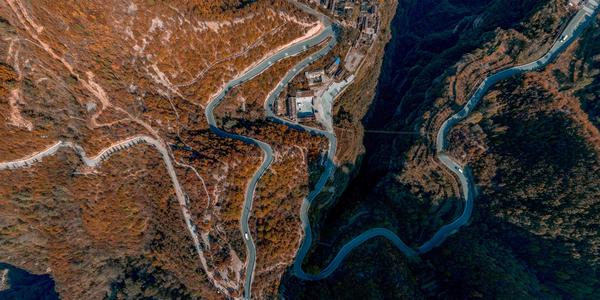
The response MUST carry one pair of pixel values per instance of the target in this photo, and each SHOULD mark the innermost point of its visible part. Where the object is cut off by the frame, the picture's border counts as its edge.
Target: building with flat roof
(291, 108)
(304, 104)
(314, 77)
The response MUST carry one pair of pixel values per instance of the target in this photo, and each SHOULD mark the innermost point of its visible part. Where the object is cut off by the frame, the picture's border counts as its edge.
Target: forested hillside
(532, 146)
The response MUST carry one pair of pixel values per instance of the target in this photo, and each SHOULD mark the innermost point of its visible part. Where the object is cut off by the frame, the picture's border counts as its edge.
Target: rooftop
(304, 104)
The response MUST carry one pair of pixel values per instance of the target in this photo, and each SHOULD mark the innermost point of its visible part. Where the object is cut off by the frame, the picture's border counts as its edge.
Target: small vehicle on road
(246, 236)
(564, 38)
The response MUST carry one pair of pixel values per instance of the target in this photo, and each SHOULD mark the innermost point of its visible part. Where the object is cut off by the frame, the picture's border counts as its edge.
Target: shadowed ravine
(568, 35)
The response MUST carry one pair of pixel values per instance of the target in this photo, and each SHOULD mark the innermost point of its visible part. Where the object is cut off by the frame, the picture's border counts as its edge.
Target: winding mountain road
(574, 28)
(299, 47)
(569, 34)
(105, 154)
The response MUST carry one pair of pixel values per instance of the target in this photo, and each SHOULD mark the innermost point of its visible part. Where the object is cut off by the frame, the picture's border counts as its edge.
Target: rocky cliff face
(530, 144)
(538, 181)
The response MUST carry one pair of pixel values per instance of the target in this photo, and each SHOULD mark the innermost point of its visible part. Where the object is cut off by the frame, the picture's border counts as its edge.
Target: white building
(304, 104)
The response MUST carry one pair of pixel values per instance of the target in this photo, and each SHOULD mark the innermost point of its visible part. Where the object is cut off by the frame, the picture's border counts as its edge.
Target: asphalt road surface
(326, 33)
(569, 34)
(574, 28)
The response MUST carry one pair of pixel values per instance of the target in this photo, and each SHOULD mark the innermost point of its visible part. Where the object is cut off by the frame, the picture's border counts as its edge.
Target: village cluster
(314, 101)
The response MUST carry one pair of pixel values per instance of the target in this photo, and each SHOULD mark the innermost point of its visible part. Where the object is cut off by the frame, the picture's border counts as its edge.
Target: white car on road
(564, 38)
